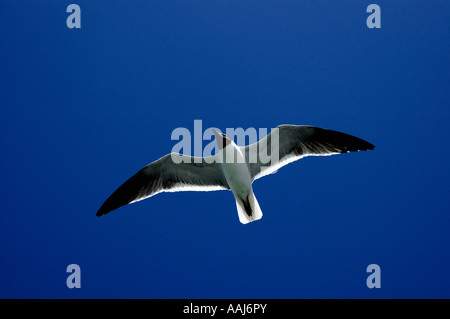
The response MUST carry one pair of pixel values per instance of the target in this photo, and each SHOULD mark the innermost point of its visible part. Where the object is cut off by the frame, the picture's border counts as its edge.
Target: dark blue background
(84, 109)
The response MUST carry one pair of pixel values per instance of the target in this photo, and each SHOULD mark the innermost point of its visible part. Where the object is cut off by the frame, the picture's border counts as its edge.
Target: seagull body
(237, 174)
(234, 167)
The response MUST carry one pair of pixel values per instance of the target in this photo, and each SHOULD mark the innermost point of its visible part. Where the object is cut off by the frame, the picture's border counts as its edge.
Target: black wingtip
(366, 146)
(100, 212)
(104, 209)
(355, 144)
(369, 146)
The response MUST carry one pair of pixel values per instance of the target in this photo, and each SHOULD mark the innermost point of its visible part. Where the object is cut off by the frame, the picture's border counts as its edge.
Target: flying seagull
(285, 144)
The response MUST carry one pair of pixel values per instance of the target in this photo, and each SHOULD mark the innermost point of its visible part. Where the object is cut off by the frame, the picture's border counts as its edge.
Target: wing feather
(293, 142)
(164, 175)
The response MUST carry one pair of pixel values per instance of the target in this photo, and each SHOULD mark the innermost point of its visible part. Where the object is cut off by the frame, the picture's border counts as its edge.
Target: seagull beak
(219, 138)
(216, 133)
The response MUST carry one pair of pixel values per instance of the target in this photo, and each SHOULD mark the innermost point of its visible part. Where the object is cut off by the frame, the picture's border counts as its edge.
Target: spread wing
(288, 143)
(171, 173)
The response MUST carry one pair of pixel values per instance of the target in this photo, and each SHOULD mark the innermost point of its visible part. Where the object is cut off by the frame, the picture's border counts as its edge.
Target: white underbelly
(238, 176)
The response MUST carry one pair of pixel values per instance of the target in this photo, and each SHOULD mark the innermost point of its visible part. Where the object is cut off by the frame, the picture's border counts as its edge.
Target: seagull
(234, 167)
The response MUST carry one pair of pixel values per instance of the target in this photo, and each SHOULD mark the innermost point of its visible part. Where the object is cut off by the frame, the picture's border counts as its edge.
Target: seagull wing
(295, 142)
(164, 175)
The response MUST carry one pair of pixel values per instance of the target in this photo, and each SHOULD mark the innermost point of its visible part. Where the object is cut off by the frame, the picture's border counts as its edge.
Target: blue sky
(84, 109)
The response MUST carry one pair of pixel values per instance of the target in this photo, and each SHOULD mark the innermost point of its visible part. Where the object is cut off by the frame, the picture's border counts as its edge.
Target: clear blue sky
(81, 110)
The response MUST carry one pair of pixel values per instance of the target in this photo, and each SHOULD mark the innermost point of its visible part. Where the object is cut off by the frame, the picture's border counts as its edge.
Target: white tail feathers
(244, 206)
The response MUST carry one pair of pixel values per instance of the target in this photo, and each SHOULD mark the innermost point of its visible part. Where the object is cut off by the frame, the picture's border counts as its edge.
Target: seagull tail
(248, 209)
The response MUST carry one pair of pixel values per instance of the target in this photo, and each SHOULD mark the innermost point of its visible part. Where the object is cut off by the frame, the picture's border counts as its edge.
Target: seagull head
(222, 139)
